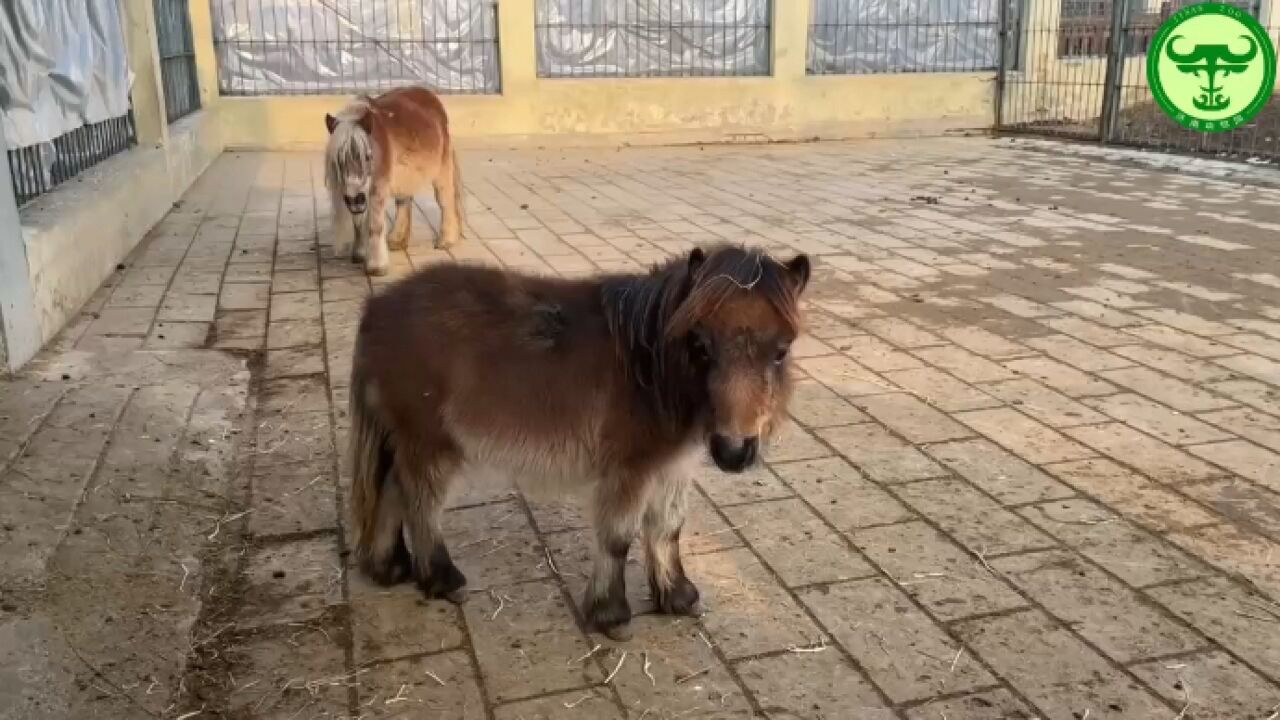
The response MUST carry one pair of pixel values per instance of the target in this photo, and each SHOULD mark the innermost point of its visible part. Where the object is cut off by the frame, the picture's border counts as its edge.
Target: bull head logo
(1212, 60)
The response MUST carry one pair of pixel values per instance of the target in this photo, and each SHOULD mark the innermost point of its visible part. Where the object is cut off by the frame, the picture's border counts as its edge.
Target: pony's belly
(539, 469)
(409, 178)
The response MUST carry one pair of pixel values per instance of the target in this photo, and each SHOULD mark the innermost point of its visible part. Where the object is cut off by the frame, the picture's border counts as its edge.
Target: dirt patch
(1147, 124)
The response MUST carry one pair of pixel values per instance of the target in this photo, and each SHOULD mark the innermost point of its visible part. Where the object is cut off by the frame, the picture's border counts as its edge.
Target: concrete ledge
(76, 234)
(652, 111)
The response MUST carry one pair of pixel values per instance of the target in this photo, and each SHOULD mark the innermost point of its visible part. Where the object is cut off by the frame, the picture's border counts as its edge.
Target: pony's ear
(366, 121)
(330, 122)
(696, 258)
(798, 269)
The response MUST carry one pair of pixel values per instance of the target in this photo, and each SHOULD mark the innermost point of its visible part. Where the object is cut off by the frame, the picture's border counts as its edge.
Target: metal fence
(37, 169)
(177, 58)
(1076, 81)
(897, 36)
(301, 47)
(653, 38)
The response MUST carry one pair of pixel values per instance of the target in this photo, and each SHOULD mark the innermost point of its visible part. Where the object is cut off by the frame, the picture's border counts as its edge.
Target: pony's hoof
(457, 597)
(682, 598)
(618, 633)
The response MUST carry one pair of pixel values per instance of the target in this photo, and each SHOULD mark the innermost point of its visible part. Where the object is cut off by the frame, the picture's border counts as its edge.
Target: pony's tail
(457, 189)
(371, 458)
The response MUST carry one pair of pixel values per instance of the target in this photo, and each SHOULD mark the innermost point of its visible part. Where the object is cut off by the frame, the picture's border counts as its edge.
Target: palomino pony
(609, 384)
(388, 147)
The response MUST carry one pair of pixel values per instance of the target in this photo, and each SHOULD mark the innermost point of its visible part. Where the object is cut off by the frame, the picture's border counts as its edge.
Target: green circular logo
(1211, 67)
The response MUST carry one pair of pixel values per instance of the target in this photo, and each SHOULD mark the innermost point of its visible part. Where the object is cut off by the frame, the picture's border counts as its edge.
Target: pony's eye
(700, 347)
(780, 355)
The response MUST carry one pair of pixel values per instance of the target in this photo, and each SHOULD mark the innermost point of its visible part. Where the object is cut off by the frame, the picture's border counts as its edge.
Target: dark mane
(651, 315)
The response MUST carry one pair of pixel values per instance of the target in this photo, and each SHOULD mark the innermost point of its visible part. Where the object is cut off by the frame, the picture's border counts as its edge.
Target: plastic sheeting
(626, 38)
(63, 65)
(886, 36)
(318, 46)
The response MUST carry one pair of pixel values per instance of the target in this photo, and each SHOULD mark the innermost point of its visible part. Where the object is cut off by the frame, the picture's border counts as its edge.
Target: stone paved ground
(1034, 468)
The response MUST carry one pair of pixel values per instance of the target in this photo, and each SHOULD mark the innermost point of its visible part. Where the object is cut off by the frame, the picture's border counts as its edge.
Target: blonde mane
(350, 146)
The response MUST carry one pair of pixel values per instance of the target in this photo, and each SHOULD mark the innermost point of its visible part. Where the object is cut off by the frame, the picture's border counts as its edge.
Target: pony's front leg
(378, 257)
(673, 592)
(617, 521)
(343, 226)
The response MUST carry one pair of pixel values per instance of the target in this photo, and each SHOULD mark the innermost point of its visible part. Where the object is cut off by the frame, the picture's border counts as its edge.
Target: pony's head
(349, 156)
(736, 325)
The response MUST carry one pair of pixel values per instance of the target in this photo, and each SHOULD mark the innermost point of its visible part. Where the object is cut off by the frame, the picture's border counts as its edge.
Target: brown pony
(389, 147)
(610, 384)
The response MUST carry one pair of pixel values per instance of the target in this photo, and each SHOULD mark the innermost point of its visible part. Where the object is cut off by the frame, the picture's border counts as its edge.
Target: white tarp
(626, 38)
(63, 65)
(881, 36)
(317, 46)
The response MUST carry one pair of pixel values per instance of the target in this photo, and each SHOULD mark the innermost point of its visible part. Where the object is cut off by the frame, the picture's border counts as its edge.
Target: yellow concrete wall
(786, 105)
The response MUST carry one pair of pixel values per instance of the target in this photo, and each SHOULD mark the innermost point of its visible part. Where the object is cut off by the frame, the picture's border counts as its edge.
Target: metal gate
(1077, 69)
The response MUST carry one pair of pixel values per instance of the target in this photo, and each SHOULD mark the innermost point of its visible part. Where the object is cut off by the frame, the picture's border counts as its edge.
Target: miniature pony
(388, 147)
(610, 384)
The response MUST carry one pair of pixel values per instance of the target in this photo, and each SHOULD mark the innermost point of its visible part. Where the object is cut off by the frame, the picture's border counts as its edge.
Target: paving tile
(841, 494)
(813, 405)
(245, 296)
(1006, 477)
(846, 377)
(1156, 419)
(1241, 502)
(1061, 377)
(1211, 685)
(1180, 341)
(972, 518)
(946, 580)
(494, 545)
(176, 335)
(1236, 551)
(530, 646)
(1104, 611)
(792, 442)
(911, 418)
(941, 390)
(1247, 423)
(1055, 670)
(407, 688)
(1174, 363)
(1089, 332)
(1079, 354)
(1245, 459)
(294, 333)
(823, 686)
(1157, 460)
(900, 333)
(1023, 436)
(898, 646)
(687, 677)
(796, 544)
(275, 679)
(748, 611)
(964, 364)
(1145, 502)
(874, 353)
(295, 306)
(756, 483)
(1162, 388)
(978, 706)
(123, 321)
(187, 308)
(1043, 404)
(588, 704)
(1230, 616)
(291, 582)
(882, 456)
(984, 342)
(1132, 555)
(398, 622)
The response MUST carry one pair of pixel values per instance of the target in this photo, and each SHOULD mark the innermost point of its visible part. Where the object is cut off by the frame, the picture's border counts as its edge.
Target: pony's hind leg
(399, 238)
(387, 560)
(448, 187)
(425, 483)
(617, 521)
(673, 592)
(377, 258)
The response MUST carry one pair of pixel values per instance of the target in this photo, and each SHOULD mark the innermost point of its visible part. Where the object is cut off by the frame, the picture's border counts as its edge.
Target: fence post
(1116, 54)
(518, 46)
(791, 37)
(147, 93)
(206, 59)
(19, 328)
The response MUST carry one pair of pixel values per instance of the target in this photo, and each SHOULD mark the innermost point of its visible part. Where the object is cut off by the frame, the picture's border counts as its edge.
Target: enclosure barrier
(903, 36)
(177, 58)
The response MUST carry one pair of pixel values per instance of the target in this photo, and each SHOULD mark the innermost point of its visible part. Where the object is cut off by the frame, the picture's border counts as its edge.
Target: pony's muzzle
(734, 454)
(356, 204)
